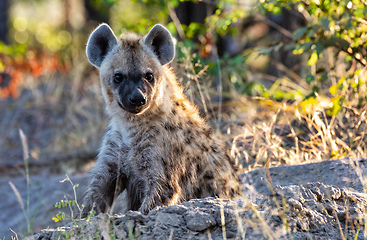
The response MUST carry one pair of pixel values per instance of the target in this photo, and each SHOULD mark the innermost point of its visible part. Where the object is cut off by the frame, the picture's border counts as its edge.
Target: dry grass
(279, 134)
(64, 116)
(263, 132)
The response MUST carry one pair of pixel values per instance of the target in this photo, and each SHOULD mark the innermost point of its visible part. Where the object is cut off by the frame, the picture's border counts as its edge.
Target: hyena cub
(156, 146)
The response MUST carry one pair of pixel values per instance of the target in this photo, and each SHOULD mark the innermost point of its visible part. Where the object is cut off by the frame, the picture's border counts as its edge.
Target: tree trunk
(4, 6)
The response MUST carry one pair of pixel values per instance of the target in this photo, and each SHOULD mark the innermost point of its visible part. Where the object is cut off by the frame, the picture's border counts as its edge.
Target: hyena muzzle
(156, 148)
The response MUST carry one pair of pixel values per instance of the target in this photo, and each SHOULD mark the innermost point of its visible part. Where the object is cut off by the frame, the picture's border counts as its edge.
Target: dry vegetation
(63, 119)
(264, 132)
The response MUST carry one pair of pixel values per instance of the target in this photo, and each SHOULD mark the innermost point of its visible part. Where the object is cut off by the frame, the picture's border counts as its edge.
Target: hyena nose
(137, 99)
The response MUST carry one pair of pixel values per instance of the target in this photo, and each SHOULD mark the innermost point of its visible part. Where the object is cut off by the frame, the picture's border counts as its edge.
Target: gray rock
(197, 220)
(294, 203)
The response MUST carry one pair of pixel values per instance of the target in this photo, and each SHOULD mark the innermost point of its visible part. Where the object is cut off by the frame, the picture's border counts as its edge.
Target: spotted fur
(156, 146)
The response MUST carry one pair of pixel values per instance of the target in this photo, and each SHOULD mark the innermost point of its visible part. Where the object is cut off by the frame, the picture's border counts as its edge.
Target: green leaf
(358, 13)
(310, 78)
(335, 108)
(342, 43)
(324, 77)
(319, 48)
(279, 94)
(357, 72)
(325, 22)
(298, 50)
(333, 89)
(341, 81)
(313, 59)
(299, 33)
(276, 10)
(308, 104)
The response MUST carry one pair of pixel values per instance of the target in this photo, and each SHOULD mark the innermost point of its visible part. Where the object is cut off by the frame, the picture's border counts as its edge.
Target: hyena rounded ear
(160, 40)
(100, 42)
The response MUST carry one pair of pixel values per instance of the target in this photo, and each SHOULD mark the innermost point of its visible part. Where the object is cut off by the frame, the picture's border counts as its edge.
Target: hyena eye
(117, 78)
(149, 77)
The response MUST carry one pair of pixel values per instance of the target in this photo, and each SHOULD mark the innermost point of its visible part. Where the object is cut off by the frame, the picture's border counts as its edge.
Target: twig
(355, 56)
(176, 21)
(279, 28)
(292, 74)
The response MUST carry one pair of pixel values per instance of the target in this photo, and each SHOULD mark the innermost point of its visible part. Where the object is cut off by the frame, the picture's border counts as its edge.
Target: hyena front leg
(106, 184)
(157, 191)
(107, 179)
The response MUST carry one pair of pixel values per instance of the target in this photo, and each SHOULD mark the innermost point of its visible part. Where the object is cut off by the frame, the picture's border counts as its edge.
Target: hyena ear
(160, 40)
(100, 42)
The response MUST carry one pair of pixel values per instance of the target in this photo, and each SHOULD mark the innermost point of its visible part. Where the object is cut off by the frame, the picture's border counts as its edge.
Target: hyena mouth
(134, 110)
(120, 105)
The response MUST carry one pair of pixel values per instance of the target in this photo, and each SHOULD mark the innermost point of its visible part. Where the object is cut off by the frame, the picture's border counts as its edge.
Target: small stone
(178, 209)
(311, 204)
(135, 215)
(169, 219)
(295, 204)
(199, 221)
(302, 225)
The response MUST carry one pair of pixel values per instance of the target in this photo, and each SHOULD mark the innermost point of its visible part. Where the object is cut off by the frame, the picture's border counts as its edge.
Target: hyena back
(156, 146)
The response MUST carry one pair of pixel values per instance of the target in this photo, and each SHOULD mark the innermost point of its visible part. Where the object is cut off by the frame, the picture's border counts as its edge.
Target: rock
(294, 203)
(197, 220)
(136, 215)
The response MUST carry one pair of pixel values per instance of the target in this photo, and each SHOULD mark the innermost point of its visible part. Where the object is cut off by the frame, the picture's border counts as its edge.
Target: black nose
(137, 99)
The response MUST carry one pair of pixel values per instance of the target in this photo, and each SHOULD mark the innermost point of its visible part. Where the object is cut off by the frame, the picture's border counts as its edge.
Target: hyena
(156, 146)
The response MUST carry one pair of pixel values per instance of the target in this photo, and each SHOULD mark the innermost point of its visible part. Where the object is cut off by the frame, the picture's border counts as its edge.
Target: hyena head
(130, 67)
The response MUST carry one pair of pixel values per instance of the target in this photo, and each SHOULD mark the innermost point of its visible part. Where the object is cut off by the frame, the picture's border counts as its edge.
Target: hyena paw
(150, 202)
(144, 209)
(147, 205)
(87, 208)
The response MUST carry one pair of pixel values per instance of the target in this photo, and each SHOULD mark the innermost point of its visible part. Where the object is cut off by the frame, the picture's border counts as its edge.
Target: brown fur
(165, 153)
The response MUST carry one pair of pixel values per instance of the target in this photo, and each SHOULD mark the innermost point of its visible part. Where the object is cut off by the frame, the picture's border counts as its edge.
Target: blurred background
(283, 82)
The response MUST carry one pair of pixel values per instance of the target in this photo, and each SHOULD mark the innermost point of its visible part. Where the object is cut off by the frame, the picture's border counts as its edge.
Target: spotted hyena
(156, 146)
